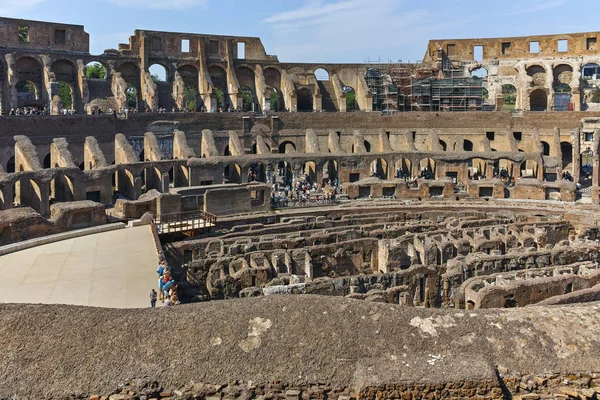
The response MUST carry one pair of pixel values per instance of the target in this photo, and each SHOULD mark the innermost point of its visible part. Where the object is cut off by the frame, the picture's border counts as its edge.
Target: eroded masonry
(411, 223)
(210, 72)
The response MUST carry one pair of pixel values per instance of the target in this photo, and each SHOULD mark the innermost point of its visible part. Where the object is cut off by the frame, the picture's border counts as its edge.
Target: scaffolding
(406, 86)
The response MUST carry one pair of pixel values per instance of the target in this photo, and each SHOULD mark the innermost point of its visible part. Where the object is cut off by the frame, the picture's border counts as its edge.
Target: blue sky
(317, 30)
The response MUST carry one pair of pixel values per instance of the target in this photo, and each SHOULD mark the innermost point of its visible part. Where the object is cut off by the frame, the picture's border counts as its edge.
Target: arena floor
(110, 269)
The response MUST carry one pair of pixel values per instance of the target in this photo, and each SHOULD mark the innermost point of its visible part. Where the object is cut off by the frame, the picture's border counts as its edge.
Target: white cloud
(160, 4)
(334, 31)
(18, 8)
(548, 5)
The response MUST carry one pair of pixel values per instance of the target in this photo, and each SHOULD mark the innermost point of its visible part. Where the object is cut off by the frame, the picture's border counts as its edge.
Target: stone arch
(10, 165)
(310, 171)
(351, 103)
(403, 168)
(46, 163)
(305, 100)
(321, 74)
(590, 71)
(287, 147)
(218, 76)
(537, 74)
(96, 70)
(191, 96)
(566, 149)
(538, 100)
(273, 82)
(562, 97)
(28, 94)
(66, 82)
(330, 171)
(233, 173)
(509, 97)
(546, 148)
(427, 168)
(562, 74)
(159, 72)
(30, 69)
(443, 144)
(65, 70)
(379, 168)
(479, 72)
(273, 100)
(189, 74)
(529, 169)
(130, 73)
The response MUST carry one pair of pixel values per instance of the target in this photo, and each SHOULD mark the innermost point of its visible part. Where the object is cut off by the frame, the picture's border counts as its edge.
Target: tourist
(153, 298)
(168, 302)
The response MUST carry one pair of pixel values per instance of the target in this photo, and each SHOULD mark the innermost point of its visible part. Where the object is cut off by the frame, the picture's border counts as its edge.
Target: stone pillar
(596, 166)
(576, 163)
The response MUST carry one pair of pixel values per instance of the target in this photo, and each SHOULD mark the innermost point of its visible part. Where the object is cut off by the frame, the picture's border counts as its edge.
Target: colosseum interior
(377, 231)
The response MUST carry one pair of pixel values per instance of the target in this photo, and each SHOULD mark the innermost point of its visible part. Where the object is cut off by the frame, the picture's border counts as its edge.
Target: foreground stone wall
(290, 346)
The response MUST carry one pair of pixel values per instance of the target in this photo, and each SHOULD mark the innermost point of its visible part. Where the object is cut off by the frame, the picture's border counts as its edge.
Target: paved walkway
(110, 269)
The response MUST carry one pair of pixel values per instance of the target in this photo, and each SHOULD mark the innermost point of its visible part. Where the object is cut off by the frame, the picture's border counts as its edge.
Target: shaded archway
(467, 145)
(233, 173)
(272, 99)
(537, 74)
(427, 168)
(351, 104)
(529, 169)
(566, 149)
(443, 144)
(379, 168)
(132, 97)
(287, 147)
(330, 172)
(66, 82)
(403, 168)
(304, 100)
(191, 96)
(546, 148)
(248, 99)
(66, 95)
(509, 97)
(273, 81)
(10, 165)
(218, 77)
(30, 70)
(562, 97)
(27, 94)
(538, 100)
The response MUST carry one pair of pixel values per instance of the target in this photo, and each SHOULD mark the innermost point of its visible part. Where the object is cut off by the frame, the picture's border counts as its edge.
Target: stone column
(576, 163)
(596, 166)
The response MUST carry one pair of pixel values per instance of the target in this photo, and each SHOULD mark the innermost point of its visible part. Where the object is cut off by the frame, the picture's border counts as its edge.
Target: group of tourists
(167, 287)
(303, 192)
(28, 111)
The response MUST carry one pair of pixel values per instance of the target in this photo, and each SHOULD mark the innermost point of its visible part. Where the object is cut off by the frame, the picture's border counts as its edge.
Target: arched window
(321, 74)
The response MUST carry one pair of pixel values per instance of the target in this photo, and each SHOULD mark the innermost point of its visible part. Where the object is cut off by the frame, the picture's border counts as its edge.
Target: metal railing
(184, 222)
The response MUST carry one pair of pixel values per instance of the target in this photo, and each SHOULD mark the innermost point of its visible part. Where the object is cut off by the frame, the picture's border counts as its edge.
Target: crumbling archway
(427, 168)
(304, 100)
(566, 149)
(351, 104)
(379, 168)
(509, 97)
(538, 100)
